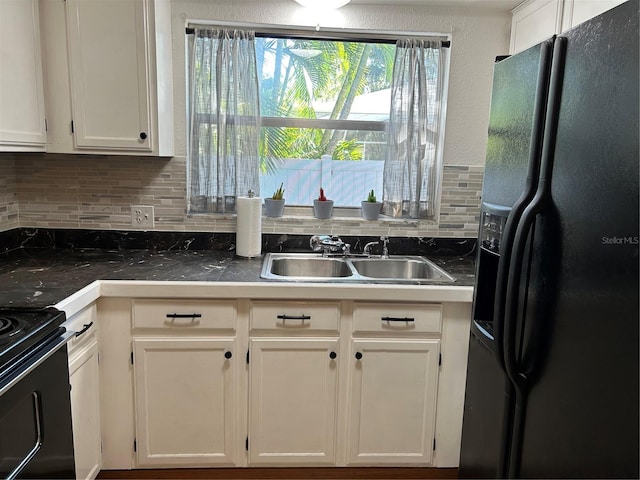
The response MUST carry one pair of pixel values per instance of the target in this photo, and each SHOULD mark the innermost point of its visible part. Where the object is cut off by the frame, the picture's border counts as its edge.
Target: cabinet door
(185, 401)
(293, 398)
(85, 411)
(109, 64)
(534, 21)
(578, 11)
(22, 118)
(392, 401)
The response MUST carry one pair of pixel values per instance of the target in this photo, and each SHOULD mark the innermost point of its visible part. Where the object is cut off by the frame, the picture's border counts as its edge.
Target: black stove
(23, 330)
(36, 434)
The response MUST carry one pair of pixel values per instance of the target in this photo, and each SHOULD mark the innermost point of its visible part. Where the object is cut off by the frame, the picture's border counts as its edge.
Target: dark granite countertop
(38, 277)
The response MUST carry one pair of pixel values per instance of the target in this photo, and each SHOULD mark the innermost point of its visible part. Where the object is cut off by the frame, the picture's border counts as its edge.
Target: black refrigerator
(552, 376)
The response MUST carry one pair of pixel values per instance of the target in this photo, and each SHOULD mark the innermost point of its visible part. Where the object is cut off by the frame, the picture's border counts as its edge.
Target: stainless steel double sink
(310, 267)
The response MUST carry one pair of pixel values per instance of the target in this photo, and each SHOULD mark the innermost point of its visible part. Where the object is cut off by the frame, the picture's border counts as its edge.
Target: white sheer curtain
(413, 166)
(224, 120)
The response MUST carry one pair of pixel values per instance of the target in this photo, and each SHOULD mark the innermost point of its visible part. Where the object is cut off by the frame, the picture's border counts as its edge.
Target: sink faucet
(367, 248)
(385, 247)
(329, 244)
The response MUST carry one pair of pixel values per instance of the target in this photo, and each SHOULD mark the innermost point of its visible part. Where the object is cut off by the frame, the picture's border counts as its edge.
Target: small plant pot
(273, 208)
(322, 208)
(371, 210)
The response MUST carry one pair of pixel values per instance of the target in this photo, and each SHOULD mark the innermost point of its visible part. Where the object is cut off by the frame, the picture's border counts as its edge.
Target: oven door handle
(49, 349)
(37, 411)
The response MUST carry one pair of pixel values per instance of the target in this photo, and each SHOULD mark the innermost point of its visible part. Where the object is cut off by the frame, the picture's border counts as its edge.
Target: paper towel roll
(249, 226)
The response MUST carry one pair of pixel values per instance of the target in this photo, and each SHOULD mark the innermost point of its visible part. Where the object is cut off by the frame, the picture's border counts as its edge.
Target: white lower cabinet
(271, 383)
(185, 401)
(84, 377)
(393, 386)
(393, 383)
(293, 385)
(85, 411)
(186, 362)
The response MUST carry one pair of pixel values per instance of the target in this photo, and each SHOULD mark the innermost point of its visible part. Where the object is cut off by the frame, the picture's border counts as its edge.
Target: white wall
(478, 36)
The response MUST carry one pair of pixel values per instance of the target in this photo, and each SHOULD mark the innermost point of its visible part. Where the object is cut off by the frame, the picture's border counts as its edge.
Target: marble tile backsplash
(96, 192)
(8, 195)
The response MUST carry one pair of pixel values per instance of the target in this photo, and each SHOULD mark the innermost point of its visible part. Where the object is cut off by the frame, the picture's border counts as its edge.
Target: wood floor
(282, 473)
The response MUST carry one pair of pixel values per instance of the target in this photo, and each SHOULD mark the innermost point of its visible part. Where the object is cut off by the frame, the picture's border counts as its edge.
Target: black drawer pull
(333, 355)
(294, 317)
(143, 135)
(358, 355)
(184, 315)
(228, 355)
(86, 327)
(396, 319)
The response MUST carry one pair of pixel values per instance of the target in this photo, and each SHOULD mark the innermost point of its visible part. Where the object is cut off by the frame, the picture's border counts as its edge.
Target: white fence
(346, 182)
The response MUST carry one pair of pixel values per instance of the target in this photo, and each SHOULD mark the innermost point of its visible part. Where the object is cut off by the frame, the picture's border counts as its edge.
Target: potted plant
(274, 206)
(322, 206)
(371, 207)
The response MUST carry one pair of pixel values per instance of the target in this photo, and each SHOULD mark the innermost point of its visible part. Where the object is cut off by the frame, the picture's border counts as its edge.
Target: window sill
(383, 219)
(295, 215)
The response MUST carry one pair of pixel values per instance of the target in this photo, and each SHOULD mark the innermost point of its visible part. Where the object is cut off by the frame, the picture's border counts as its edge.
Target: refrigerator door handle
(540, 201)
(503, 277)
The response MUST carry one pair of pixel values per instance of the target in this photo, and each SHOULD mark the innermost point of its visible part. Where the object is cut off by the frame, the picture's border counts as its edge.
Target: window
(324, 108)
(349, 115)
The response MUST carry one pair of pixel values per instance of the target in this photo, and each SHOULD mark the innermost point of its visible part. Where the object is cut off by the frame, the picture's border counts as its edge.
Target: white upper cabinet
(115, 64)
(109, 71)
(22, 117)
(577, 11)
(536, 20)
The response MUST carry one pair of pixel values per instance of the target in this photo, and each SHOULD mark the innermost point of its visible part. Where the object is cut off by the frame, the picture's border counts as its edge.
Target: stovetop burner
(9, 326)
(22, 329)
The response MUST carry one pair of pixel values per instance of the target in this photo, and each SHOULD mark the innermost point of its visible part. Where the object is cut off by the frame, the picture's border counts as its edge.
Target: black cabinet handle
(294, 317)
(184, 315)
(143, 135)
(228, 355)
(86, 327)
(358, 355)
(397, 319)
(191, 317)
(333, 355)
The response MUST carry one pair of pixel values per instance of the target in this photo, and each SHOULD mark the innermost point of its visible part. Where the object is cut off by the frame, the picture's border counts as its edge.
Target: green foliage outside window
(317, 79)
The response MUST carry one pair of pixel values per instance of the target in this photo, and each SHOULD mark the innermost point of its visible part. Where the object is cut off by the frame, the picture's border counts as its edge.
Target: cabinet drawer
(397, 318)
(294, 316)
(184, 314)
(84, 325)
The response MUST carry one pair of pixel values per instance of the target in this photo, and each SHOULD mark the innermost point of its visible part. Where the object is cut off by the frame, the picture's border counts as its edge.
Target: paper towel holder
(249, 226)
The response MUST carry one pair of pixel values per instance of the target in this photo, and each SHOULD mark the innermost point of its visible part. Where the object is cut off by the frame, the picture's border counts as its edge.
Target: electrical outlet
(142, 216)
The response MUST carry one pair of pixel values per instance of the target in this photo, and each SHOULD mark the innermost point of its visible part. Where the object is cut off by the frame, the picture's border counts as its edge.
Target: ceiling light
(323, 4)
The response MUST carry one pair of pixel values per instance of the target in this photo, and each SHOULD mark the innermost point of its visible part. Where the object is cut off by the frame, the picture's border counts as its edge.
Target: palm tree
(305, 71)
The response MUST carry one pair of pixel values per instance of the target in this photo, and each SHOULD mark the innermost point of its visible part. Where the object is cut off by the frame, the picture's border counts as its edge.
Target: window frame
(328, 34)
